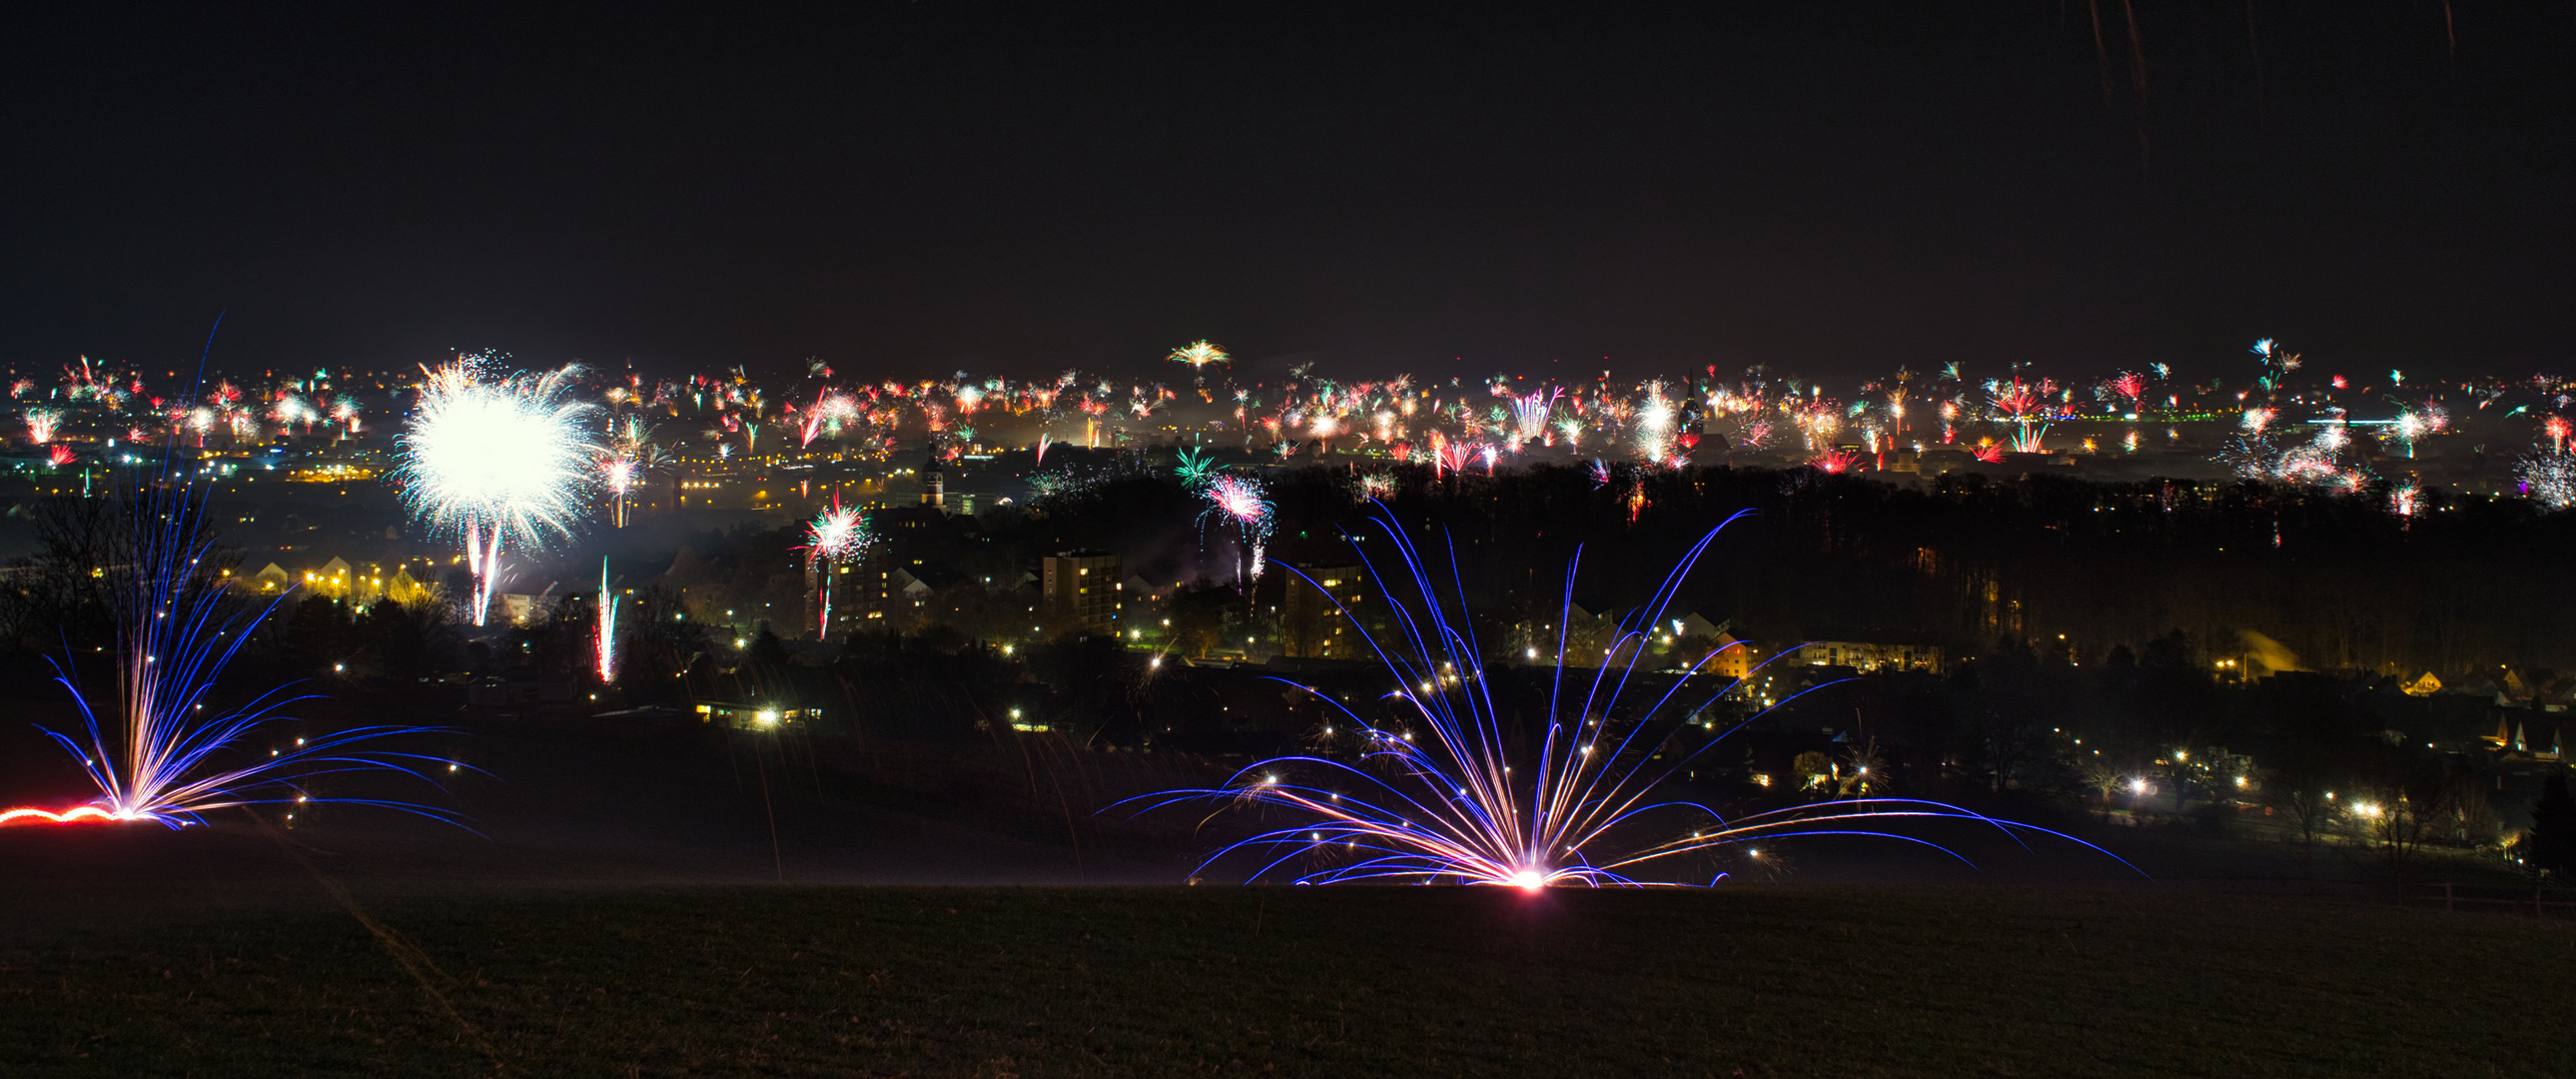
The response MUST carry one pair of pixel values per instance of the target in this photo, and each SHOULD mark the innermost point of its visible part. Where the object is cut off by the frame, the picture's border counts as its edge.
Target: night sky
(1830, 188)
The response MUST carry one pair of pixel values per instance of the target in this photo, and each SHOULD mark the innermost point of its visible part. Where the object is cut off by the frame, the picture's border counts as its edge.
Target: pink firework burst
(1241, 503)
(1238, 499)
(839, 534)
(2014, 400)
(1453, 457)
(2128, 384)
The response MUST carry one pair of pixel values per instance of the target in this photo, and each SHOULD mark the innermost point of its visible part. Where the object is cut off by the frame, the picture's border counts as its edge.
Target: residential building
(1869, 656)
(1314, 616)
(1733, 657)
(1081, 591)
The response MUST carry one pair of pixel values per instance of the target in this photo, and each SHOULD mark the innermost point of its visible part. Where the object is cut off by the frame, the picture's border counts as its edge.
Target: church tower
(934, 485)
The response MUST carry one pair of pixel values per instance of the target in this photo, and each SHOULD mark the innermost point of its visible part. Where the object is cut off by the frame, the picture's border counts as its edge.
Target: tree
(63, 600)
(2309, 738)
(2398, 825)
(408, 643)
(767, 650)
(2104, 777)
(2175, 693)
(1199, 618)
(327, 636)
(2302, 790)
(2009, 703)
(2550, 847)
(2412, 805)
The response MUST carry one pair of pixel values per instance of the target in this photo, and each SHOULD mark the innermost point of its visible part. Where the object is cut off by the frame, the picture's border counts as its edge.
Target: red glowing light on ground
(42, 816)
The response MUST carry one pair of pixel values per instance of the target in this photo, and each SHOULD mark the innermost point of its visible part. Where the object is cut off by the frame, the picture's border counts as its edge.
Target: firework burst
(2408, 428)
(619, 475)
(2025, 406)
(289, 410)
(1655, 421)
(630, 455)
(1529, 417)
(2405, 500)
(41, 423)
(1440, 796)
(2127, 386)
(1835, 462)
(1449, 458)
(1194, 469)
(162, 747)
(496, 462)
(2549, 479)
(836, 536)
(830, 413)
(1240, 503)
(1198, 354)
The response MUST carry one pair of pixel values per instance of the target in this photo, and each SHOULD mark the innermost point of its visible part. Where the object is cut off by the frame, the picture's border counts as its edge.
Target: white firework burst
(496, 463)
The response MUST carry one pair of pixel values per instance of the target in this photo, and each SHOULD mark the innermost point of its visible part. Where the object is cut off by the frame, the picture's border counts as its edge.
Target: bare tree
(2303, 793)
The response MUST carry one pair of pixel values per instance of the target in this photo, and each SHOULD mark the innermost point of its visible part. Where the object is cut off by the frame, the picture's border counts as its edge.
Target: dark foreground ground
(616, 911)
(1756, 980)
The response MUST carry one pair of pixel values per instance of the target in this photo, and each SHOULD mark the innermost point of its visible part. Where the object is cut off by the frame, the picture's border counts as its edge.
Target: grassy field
(1757, 981)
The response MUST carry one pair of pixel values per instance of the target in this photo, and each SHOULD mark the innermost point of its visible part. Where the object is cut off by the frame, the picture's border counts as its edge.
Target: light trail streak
(607, 628)
(160, 747)
(1440, 796)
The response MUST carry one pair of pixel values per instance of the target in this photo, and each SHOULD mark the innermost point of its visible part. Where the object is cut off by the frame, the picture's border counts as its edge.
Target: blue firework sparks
(1439, 796)
(158, 746)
